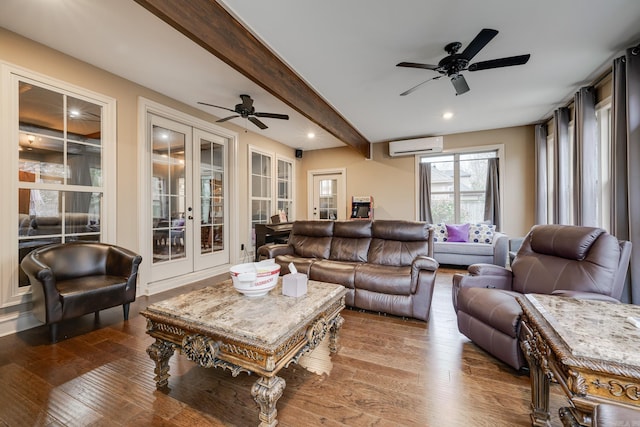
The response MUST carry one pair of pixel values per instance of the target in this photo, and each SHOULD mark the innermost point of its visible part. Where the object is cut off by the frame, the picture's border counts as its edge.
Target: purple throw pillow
(457, 232)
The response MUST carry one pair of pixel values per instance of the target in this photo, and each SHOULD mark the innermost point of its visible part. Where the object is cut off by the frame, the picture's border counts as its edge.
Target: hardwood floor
(388, 372)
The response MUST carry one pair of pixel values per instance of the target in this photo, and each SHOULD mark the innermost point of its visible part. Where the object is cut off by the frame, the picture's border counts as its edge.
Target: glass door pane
(212, 203)
(169, 198)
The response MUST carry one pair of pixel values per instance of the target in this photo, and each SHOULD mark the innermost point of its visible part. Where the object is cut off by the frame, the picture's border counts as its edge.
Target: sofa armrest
(272, 250)
(584, 295)
(500, 249)
(421, 262)
(481, 276)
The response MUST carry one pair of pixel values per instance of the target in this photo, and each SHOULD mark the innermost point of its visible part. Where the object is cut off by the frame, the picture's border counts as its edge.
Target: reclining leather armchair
(69, 280)
(563, 260)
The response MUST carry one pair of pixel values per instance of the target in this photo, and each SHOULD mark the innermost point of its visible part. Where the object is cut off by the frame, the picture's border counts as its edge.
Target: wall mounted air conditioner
(410, 147)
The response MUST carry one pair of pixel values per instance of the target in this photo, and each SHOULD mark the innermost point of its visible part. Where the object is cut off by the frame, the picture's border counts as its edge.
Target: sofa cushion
(457, 232)
(481, 233)
(565, 242)
(398, 243)
(311, 239)
(351, 241)
(505, 311)
(333, 272)
(463, 248)
(439, 232)
(383, 279)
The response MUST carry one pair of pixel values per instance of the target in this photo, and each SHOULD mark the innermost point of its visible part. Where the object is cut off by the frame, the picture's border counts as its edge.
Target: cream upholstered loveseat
(481, 245)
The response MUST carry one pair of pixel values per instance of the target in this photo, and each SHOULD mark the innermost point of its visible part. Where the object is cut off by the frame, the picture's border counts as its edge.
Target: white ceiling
(347, 51)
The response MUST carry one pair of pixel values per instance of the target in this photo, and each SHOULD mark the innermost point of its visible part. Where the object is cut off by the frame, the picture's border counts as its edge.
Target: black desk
(271, 233)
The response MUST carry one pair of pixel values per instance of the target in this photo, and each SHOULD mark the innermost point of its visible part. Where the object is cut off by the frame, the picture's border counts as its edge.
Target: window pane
(443, 208)
(84, 121)
(473, 175)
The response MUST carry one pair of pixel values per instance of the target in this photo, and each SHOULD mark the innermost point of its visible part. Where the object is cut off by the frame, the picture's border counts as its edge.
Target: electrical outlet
(242, 246)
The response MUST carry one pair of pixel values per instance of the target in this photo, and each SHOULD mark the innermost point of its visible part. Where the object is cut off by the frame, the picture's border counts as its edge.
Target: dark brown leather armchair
(69, 280)
(563, 260)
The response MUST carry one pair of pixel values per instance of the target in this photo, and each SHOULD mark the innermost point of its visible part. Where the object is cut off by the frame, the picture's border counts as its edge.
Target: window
(60, 168)
(458, 186)
(272, 187)
(603, 118)
(285, 188)
(551, 180)
(260, 188)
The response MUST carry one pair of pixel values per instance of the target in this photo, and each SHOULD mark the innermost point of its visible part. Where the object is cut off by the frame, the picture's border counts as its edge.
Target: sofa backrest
(564, 257)
(351, 240)
(397, 242)
(311, 239)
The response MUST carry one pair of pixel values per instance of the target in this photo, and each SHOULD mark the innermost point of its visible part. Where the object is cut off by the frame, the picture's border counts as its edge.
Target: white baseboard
(17, 322)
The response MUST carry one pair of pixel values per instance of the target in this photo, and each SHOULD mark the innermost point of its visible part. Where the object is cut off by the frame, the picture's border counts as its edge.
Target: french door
(188, 192)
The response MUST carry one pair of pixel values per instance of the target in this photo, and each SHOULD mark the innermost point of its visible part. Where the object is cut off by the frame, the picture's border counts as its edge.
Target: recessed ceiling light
(311, 135)
(447, 115)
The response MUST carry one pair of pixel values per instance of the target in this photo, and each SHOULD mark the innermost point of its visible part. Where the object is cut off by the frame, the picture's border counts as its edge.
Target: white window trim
(499, 148)
(10, 293)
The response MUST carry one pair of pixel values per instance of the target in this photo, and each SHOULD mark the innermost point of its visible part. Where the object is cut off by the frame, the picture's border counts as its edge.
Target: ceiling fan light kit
(246, 110)
(453, 64)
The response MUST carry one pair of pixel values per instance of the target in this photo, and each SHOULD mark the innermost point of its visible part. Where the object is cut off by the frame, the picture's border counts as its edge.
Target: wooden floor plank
(389, 371)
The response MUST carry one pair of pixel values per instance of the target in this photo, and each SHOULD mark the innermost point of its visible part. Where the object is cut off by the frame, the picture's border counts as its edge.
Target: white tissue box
(294, 284)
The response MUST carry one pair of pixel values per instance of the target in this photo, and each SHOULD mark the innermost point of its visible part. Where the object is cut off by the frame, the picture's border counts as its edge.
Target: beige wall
(392, 181)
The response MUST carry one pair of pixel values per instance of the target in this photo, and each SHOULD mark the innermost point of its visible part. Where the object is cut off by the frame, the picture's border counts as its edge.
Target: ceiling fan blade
(226, 118)
(257, 123)
(407, 92)
(416, 65)
(502, 62)
(247, 102)
(217, 106)
(272, 116)
(481, 40)
(459, 84)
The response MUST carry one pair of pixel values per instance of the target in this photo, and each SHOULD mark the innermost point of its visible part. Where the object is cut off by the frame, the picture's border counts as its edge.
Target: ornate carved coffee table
(218, 327)
(587, 347)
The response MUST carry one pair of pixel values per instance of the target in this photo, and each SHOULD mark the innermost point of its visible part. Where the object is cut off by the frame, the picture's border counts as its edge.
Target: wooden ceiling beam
(211, 26)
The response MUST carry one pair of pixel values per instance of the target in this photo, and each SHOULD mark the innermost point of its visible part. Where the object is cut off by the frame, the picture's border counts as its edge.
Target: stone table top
(593, 329)
(265, 320)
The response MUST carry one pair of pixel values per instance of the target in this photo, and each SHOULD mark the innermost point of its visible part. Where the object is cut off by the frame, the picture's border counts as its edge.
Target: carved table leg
(266, 392)
(160, 352)
(333, 333)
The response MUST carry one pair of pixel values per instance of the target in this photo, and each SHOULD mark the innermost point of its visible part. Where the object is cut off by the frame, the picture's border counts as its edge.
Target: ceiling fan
(453, 64)
(246, 110)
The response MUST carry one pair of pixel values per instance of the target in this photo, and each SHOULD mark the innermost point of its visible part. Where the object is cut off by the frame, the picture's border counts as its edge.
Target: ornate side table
(585, 346)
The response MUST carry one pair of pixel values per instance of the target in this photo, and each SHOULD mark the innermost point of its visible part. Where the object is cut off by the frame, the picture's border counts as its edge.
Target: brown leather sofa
(612, 415)
(563, 260)
(69, 280)
(386, 265)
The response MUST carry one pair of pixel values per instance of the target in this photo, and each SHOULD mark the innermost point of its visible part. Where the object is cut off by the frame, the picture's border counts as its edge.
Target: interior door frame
(342, 190)
(145, 285)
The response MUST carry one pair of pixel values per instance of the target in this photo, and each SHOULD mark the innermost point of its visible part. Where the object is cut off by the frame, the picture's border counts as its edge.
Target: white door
(328, 198)
(211, 207)
(189, 212)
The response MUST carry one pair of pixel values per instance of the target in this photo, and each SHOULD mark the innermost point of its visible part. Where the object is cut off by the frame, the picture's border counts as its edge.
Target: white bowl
(255, 279)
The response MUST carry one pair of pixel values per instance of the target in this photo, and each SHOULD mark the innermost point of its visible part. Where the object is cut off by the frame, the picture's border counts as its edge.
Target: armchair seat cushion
(90, 294)
(495, 307)
(385, 279)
